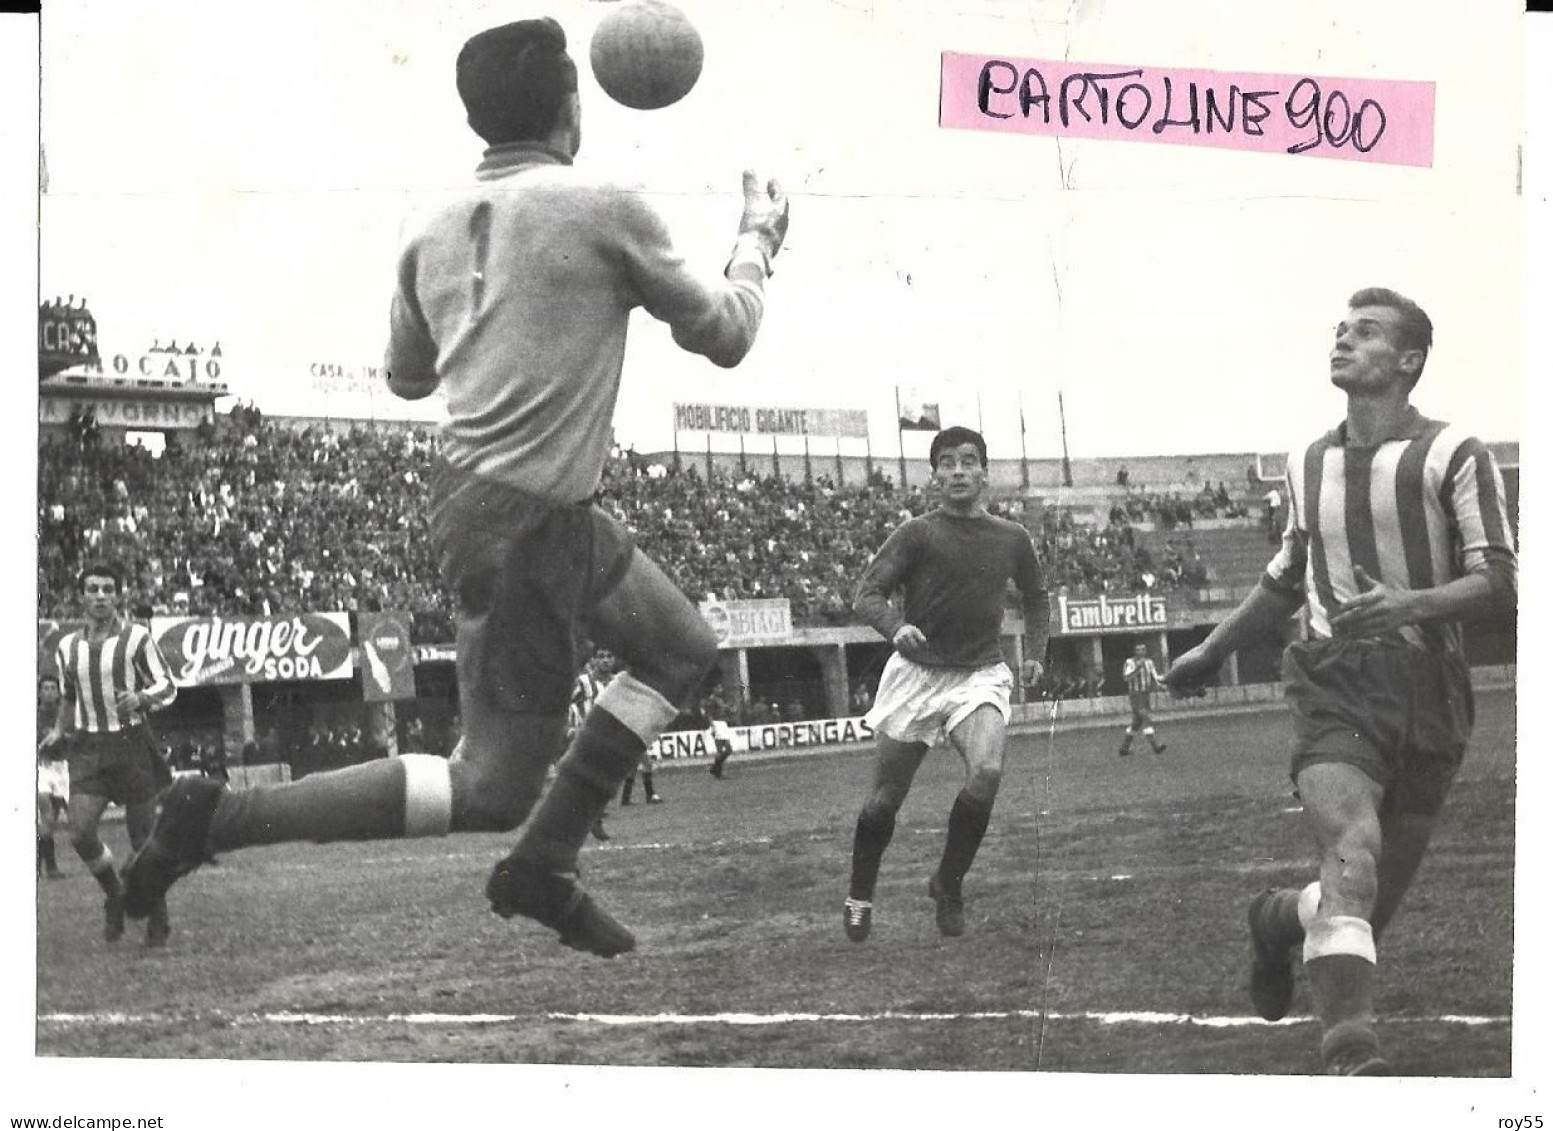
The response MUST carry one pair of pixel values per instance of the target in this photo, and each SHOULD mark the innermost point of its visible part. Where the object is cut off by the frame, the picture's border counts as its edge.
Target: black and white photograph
(941, 559)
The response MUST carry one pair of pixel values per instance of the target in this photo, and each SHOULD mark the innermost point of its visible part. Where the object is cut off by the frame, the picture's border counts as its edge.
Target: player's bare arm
(1380, 608)
(1264, 610)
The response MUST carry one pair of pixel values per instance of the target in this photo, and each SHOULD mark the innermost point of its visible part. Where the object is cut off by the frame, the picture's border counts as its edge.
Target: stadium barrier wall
(853, 733)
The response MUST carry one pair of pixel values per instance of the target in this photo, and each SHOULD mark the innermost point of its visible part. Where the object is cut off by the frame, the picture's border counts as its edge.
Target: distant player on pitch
(53, 779)
(947, 676)
(1397, 532)
(1142, 680)
(515, 301)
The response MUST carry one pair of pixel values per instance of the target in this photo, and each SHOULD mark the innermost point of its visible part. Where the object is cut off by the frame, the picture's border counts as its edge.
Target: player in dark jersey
(53, 779)
(1396, 533)
(947, 676)
(513, 301)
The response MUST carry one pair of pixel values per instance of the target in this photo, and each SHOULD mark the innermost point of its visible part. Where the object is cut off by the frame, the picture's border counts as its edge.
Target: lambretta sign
(208, 650)
(1104, 614)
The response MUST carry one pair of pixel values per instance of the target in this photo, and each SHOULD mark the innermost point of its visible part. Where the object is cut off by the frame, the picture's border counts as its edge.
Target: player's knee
(1349, 881)
(880, 808)
(885, 800)
(982, 783)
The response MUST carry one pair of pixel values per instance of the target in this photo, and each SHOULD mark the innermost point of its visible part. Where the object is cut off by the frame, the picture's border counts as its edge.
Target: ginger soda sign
(211, 650)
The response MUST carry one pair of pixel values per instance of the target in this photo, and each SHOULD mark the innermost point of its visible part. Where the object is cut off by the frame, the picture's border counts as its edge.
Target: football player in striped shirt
(1396, 534)
(1142, 680)
(111, 676)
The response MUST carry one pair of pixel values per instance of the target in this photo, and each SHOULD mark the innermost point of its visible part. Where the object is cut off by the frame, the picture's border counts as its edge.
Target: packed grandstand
(251, 516)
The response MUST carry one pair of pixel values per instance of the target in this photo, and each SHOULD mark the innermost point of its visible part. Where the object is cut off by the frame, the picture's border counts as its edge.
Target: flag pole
(1067, 467)
(900, 437)
(1024, 457)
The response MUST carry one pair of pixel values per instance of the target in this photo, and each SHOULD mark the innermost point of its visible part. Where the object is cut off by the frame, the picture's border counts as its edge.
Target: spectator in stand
(1274, 501)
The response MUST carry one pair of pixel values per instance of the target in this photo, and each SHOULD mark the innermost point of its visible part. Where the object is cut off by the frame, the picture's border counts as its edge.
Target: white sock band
(102, 864)
(1149, 731)
(643, 711)
(428, 795)
(1310, 899)
(1340, 934)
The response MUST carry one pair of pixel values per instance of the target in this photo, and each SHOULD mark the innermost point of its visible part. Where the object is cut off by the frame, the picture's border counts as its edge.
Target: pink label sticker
(1386, 121)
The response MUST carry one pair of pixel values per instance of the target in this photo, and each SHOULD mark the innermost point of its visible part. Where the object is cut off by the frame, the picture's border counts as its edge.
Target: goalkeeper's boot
(176, 845)
(553, 899)
(1272, 964)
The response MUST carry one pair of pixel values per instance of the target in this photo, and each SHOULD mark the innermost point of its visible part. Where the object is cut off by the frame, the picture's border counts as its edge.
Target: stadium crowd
(248, 516)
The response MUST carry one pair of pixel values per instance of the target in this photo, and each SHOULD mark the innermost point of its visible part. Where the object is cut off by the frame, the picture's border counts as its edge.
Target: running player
(53, 779)
(1142, 680)
(112, 676)
(1396, 534)
(515, 301)
(947, 675)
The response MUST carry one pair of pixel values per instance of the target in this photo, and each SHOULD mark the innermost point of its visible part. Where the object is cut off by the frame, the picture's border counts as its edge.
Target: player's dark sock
(602, 754)
(1342, 990)
(365, 802)
(46, 862)
(99, 862)
(967, 825)
(875, 827)
(647, 790)
(626, 787)
(1278, 919)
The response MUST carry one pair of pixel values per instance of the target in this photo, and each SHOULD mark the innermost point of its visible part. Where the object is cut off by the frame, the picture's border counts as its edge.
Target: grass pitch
(1106, 929)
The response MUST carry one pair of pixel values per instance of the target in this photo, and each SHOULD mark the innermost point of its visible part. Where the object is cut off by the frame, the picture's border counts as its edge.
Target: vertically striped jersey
(94, 672)
(1140, 676)
(1415, 512)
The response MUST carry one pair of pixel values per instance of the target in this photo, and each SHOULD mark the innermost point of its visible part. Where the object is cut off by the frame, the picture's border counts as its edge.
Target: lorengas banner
(211, 650)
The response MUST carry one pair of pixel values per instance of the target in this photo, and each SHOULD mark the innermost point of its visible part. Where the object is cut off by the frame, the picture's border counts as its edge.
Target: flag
(917, 414)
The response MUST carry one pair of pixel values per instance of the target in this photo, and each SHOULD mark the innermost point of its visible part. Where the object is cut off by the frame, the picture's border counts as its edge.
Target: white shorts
(54, 779)
(917, 703)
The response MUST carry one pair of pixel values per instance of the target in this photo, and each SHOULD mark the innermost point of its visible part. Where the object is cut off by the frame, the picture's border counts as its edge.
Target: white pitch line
(730, 1019)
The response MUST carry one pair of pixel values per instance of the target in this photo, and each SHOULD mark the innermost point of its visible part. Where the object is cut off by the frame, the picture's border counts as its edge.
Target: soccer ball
(646, 54)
